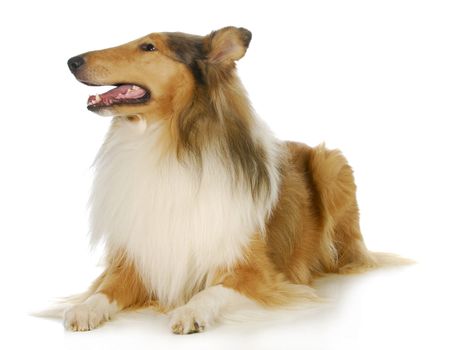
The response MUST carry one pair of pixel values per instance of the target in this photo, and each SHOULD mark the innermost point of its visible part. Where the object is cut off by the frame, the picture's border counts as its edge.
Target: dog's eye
(148, 47)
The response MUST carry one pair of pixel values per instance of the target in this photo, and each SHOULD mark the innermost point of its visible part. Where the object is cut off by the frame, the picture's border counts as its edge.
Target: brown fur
(121, 283)
(313, 230)
(257, 277)
(318, 209)
(314, 227)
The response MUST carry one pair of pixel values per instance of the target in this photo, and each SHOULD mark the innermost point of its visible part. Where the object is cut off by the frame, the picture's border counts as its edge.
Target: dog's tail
(374, 260)
(389, 259)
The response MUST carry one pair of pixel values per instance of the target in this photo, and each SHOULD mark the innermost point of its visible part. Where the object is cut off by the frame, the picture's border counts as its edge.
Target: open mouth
(121, 94)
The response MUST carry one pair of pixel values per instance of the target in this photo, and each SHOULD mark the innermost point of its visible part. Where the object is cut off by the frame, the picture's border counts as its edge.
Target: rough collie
(198, 205)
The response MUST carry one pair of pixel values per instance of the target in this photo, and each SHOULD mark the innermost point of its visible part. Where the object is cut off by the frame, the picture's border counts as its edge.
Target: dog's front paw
(90, 314)
(82, 317)
(187, 320)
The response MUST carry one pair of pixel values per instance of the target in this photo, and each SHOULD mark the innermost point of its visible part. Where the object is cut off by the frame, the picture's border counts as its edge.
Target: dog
(199, 207)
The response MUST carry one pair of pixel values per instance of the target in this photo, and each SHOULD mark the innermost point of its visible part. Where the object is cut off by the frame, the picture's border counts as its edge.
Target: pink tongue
(118, 94)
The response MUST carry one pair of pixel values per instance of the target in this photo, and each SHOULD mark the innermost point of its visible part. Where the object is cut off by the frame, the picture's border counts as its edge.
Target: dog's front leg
(90, 314)
(254, 280)
(204, 309)
(119, 287)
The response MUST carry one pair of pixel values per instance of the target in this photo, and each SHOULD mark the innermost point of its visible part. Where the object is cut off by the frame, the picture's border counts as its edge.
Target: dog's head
(158, 74)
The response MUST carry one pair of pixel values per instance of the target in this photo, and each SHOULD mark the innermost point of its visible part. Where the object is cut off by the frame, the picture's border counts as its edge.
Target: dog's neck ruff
(178, 223)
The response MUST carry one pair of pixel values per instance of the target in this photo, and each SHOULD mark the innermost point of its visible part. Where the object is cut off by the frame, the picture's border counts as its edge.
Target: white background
(373, 78)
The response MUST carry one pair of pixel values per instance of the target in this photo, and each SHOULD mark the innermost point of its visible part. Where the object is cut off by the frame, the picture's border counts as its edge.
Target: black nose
(74, 63)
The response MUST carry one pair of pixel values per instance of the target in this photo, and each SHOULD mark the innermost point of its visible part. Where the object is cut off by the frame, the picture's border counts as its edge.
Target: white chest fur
(177, 224)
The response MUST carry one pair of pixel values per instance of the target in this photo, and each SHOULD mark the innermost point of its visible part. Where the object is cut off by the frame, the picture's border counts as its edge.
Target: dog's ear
(227, 45)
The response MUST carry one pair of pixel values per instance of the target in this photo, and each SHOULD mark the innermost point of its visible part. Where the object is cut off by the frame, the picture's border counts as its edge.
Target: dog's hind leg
(353, 255)
(119, 287)
(343, 249)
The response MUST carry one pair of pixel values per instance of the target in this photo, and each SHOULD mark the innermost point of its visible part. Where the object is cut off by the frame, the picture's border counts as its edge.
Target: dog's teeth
(97, 98)
(135, 87)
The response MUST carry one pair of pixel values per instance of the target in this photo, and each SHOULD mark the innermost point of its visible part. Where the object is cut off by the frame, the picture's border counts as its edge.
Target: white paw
(188, 320)
(82, 317)
(88, 315)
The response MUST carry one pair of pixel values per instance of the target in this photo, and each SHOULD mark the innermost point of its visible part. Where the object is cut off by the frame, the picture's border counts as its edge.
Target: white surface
(375, 79)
